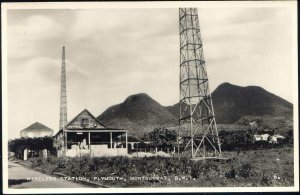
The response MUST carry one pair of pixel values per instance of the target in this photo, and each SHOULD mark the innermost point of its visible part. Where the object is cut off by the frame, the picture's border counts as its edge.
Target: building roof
(93, 124)
(36, 130)
(90, 115)
(37, 127)
(132, 138)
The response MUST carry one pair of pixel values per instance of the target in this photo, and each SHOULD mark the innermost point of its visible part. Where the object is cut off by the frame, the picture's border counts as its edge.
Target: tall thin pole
(63, 93)
(63, 100)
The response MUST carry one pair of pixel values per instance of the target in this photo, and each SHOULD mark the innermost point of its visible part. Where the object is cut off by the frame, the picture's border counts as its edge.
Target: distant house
(85, 134)
(133, 141)
(36, 130)
(275, 138)
(253, 125)
(263, 137)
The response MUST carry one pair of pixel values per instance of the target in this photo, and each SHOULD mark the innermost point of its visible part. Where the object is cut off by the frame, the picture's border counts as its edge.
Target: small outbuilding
(133, 142)
(263, 137)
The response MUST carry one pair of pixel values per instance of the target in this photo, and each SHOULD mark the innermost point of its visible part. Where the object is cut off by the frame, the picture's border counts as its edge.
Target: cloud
(250, 46)
(113, 53)
(252, 15)
(26, 37)
(43, 71)
(133, 41)
(122, 22)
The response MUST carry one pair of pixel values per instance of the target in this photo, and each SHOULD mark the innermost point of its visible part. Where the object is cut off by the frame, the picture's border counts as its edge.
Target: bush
(245, 170)
(35, 162)
(196, 171)
(265, 181)
(231, 174)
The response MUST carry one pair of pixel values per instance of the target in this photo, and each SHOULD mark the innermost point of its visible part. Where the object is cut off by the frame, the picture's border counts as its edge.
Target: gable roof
(37, 127)
(132, 138)
(97, 124)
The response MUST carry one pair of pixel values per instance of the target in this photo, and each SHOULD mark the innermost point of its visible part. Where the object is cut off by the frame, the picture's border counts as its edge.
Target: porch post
(126, 140)
(65, 141)
(25, 154)
(89, 140)
(121, 140)
(111, 140)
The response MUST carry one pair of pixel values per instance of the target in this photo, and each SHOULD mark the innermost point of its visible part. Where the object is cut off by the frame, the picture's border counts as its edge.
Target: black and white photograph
(150, 97)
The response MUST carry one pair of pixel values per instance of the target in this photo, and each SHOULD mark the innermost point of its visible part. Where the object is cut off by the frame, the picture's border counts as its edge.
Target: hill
(231, 102)
(250, 100)
(138, 113)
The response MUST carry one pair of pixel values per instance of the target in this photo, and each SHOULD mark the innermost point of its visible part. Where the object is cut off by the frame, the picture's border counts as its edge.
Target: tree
(35, 144)
(236, 139)
(162, 137)
(290, 136)
(146, 137)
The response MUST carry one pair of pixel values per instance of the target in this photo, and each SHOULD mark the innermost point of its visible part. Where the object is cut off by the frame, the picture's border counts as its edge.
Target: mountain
(231, 102)
(138, 113)
(251, 100)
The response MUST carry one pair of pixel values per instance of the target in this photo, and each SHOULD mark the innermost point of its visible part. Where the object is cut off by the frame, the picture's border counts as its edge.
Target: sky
(114, 53)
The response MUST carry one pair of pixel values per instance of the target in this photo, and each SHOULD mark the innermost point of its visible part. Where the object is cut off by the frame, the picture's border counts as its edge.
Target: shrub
(265, 181)
(61, 163)
(245, 170)
(35, 162)
(196, 171)
(231, 174)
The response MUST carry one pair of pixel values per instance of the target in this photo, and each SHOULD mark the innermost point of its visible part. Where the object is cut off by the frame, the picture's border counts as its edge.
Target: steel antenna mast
(198, 129)
(63, 98)
(63, 93)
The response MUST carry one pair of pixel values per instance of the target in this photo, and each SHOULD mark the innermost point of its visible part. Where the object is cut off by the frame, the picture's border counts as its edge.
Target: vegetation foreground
(265, 167)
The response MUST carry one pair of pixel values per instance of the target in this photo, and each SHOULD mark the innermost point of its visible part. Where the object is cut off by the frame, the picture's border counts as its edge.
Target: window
(84, 122)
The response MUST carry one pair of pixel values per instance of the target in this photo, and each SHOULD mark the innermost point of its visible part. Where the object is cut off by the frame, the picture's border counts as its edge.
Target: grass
(265, 167)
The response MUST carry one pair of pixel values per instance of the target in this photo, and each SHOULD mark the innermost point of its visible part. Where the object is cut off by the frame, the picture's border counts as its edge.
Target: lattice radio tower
(198, 129)
(63, 93)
